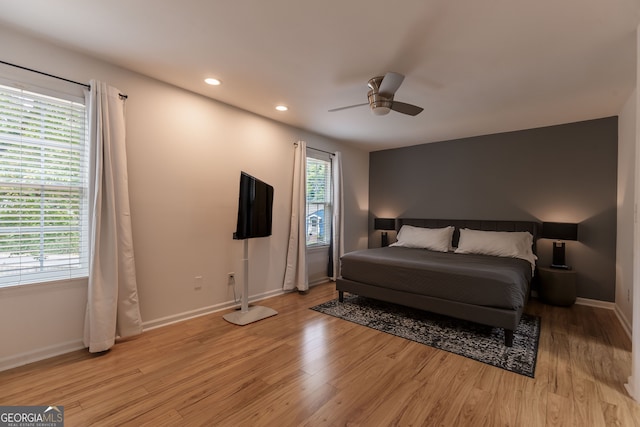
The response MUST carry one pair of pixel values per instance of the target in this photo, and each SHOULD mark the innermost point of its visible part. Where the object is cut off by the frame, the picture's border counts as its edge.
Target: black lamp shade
(384, 223)
(560, 230)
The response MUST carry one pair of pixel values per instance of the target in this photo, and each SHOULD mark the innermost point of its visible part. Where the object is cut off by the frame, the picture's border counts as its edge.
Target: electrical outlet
(231, 278)
(197, 283)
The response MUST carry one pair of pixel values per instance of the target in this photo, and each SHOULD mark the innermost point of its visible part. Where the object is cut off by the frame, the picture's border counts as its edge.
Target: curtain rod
(317, 149)
(123, 96)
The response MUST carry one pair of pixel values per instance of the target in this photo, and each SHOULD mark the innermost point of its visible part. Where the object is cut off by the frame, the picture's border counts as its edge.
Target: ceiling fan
(380, 95)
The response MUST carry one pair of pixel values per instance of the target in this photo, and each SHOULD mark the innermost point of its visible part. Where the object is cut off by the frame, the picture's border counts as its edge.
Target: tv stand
(248, 314)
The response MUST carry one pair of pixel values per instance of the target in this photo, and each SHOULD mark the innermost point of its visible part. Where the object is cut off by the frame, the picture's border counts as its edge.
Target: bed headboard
(532, 227)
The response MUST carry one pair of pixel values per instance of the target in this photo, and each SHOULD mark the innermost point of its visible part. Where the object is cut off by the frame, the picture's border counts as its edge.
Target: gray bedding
(473, 279)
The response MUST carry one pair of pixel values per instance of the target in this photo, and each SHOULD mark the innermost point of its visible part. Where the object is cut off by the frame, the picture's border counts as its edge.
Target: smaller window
(319, 213)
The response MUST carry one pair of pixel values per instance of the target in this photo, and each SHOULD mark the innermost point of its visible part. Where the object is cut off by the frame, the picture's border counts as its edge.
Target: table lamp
(384, 224)
(559, 231)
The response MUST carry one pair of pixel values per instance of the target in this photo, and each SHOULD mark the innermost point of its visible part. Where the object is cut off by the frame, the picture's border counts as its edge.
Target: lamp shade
(560, 230)
(384, 223)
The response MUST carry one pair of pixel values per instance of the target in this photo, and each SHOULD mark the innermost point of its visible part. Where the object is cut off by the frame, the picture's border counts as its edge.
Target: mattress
(468, 278)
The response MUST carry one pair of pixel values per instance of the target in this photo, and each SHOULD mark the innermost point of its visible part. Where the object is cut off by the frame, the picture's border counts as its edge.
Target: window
(318, 199)
(43, 187)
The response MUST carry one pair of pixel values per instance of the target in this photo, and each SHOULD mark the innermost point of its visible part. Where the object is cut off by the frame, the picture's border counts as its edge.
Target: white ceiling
(477, 67)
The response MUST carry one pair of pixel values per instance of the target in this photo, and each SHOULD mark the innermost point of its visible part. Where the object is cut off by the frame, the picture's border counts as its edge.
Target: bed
(487, 289)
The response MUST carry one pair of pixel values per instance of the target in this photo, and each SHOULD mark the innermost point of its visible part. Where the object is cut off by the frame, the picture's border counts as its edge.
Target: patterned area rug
(478, 342)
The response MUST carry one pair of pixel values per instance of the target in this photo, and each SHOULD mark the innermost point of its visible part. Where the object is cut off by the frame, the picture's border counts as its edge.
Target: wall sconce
(384, 224)
(559, 231)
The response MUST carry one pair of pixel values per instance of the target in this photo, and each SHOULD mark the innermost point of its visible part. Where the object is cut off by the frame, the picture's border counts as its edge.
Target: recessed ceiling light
(212, 81)
(282, 107)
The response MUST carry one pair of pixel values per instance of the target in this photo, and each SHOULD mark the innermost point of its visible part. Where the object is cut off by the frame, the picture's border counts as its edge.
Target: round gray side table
(557, 286)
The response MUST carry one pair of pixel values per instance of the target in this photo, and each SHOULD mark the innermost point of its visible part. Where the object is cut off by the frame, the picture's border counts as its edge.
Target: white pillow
(435, 239)
(513, 244)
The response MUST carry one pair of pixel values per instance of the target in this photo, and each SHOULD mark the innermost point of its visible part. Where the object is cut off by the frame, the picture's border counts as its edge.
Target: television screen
(255, 206)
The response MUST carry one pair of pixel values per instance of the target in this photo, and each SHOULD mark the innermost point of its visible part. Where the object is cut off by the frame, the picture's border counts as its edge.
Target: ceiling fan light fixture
(380, 111)
(380, 105)
(382, 90)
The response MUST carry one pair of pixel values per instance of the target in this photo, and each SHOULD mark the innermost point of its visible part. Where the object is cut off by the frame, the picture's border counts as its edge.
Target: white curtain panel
(112, 306)
(295, 275)
(337, 228)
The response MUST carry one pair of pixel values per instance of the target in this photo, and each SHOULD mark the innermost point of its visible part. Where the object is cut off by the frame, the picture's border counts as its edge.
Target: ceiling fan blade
(390, 84)
(404, 108)
(350, 106)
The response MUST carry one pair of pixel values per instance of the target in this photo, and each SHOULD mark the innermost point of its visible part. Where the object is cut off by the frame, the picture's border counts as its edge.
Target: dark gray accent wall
(564, 173)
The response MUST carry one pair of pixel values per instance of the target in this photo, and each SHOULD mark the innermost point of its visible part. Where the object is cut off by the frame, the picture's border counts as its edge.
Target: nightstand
(557, 286)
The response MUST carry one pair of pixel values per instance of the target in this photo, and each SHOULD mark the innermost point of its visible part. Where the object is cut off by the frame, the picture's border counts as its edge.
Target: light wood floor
(306, 368)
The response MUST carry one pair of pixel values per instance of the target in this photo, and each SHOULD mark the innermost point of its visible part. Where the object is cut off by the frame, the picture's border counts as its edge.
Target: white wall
(626, 204)
(185, 156)
(633, 384)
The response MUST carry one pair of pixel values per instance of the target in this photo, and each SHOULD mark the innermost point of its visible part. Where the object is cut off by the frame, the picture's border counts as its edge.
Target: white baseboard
(14, 361)
(320, 281)
(596, 303)
(629, 386)
(56, 350)
(626, 325)
(36, 355)
(180, 317)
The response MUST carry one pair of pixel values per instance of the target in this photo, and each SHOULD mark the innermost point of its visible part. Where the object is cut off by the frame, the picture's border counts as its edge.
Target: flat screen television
(255, 207)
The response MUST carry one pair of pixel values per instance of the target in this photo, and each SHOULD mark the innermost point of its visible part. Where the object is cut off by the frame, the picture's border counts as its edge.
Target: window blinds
(318, 199)
(43, 188)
